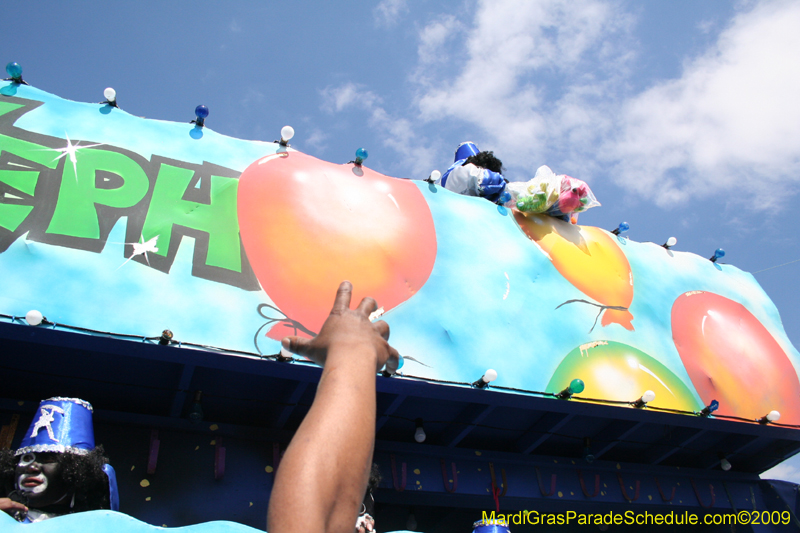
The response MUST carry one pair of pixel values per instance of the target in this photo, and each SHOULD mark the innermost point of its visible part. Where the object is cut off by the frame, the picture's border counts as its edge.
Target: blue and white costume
(471, 180)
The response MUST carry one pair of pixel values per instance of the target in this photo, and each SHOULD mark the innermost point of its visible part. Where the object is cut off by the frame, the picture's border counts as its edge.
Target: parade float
(152, 268)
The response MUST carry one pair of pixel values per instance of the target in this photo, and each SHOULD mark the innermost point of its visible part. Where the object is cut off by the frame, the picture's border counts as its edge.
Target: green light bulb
(576, 386)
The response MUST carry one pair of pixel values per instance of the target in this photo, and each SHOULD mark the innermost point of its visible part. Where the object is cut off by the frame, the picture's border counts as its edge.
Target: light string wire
(753, 273)
(280, 357)
(776, 266)
(307, 405)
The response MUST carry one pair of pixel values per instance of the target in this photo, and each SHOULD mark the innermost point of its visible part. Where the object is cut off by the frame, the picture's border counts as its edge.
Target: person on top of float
(57, 470)
(475, 173)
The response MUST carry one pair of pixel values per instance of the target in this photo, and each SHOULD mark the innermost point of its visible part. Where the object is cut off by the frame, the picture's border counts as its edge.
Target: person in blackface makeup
(57, 470)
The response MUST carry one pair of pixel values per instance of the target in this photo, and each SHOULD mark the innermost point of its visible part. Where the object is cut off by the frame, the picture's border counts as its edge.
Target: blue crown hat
(61, 425)
(490, 526)
(465, 150)
(64, 425)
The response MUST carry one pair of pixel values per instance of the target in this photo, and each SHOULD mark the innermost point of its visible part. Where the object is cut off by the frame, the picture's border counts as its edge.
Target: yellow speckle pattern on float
(615, 371)
(588, 258)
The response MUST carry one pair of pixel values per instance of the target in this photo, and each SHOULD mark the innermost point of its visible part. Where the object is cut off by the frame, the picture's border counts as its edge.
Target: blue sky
(682, 116)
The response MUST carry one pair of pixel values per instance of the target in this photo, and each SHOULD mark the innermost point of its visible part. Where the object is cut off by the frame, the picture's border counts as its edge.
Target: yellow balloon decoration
(615, 371)
(590, 259)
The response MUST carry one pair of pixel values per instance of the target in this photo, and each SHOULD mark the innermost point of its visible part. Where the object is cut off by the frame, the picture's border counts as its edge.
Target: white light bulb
(672, 241)
(648, 396)
(287, 132)
(725, 464)
(33, 317)
(773, 416)
(435, 175)
(110, 94)
(490, 375)
(419, 435)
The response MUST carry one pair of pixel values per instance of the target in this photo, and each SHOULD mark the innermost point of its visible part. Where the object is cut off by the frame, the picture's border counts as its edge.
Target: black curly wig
(486, 160)
(83, 473)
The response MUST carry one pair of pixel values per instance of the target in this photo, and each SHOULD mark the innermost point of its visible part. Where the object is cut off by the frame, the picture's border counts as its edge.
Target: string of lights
(307, 405)
(575, 387)
(430, 422)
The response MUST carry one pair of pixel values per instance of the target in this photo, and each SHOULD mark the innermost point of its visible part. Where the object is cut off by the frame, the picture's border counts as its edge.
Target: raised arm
(323, 475)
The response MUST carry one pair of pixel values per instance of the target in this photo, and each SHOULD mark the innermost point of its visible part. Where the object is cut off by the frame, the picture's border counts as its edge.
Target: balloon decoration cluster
(398, 266)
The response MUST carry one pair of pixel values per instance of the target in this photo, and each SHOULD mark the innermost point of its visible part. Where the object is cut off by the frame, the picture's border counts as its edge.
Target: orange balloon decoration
(588, 258)
(307, 225)
(732, 358)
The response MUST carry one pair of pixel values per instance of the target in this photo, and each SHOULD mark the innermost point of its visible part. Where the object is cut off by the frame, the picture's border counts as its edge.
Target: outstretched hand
(345, 330)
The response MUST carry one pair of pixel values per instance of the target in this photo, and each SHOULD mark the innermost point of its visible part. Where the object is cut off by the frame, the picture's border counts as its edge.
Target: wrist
(355, 355)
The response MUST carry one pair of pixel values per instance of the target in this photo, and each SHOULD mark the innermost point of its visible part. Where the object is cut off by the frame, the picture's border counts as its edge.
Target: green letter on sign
(22, 179)
(75, 214)
(218, 219)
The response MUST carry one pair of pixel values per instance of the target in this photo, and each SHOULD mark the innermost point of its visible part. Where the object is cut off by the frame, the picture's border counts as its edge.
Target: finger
(296, 345)
(17, 505)
(393, 362)
(383, 329)
(367, 306)
(342, 301)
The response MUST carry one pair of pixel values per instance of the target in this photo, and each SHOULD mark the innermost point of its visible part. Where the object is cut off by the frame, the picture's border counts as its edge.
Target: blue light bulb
(710, 408)
(14, 70)
(361, 155)
(622, 228)
(576, 386)
(201, 111)
(718, 253)
(400, 362)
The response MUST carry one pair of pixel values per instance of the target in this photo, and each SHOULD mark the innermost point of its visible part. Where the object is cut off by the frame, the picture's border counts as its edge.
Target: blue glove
(492, 185)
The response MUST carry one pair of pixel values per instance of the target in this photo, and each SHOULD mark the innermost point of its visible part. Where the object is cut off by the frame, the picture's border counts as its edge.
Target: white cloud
(388, 12)
(317, 139)
(396, 133)
(510, 56)
(787, 471)
(335, 99)
(730, 124)
(234, 26)
(488, 74)
(432, 39)
(552, 80)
